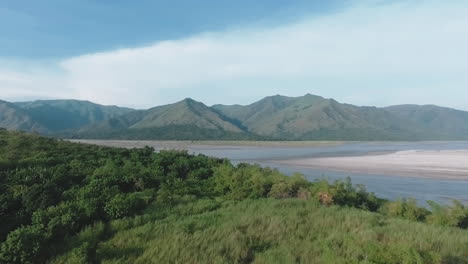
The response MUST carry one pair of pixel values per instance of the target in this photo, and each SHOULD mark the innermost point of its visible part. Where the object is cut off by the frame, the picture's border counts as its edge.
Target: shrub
(123, 205)
(83, 254)
(24, 245)
(60, 220)
(281, 190)
(456, 215)
(345, 194)
(405, 208)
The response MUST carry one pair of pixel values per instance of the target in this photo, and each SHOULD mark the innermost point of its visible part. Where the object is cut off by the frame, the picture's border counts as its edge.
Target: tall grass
(273, 231)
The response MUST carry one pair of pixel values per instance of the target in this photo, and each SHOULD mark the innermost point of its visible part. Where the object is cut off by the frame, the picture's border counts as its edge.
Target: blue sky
(146, 53)
(60, 28)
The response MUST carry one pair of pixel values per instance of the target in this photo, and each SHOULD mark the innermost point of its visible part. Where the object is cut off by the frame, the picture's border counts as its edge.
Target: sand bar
(445, 164)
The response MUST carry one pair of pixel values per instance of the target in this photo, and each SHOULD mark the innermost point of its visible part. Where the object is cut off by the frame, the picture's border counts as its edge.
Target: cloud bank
(369, 54)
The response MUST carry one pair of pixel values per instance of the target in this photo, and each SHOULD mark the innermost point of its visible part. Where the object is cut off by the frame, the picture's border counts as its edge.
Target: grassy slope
(269, 231)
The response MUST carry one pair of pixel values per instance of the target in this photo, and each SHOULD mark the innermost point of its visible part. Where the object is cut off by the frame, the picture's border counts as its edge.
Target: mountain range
(308, 117)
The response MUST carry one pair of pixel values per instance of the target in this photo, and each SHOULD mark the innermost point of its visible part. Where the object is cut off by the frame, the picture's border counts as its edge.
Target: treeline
(52, 189)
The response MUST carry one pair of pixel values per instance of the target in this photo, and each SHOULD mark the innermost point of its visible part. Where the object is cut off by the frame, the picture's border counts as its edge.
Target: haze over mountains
(277, 117)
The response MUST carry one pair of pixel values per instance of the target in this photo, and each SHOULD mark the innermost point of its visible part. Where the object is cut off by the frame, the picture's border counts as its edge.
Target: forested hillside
(64, 202)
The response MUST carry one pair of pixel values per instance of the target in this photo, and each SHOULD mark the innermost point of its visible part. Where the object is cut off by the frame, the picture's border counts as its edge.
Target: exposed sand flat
(446, 164)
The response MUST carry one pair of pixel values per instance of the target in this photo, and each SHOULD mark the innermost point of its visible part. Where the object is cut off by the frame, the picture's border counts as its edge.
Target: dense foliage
(74, 200)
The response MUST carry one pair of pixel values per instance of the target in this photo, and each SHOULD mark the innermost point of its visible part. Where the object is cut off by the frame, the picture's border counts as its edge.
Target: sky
(146, 53)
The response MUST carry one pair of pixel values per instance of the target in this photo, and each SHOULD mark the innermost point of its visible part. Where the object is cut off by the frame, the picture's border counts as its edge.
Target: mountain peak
(309, 95)
(189, 100)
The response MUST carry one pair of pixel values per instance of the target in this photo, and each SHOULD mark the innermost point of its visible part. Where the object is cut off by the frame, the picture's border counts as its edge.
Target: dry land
(447, 164)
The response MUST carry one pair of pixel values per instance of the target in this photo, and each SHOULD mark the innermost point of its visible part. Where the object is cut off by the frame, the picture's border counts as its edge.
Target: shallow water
(386, 186)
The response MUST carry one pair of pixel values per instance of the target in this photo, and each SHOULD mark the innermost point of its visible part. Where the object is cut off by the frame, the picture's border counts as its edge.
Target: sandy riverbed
(446, 164)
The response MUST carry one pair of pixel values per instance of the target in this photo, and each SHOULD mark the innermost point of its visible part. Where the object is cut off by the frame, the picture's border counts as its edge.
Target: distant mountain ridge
(312, 117)
(307, 117)
(51, 116)
(186, 120)
(16, 118)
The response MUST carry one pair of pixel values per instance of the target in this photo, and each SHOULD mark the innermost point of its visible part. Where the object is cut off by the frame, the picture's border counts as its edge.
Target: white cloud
(368, 54)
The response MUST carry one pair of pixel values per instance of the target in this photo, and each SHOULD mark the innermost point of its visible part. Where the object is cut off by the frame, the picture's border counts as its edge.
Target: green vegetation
(265, 231)
(62, 202)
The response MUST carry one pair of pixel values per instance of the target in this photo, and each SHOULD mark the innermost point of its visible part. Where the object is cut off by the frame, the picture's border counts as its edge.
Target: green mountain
(442, 122)
(313, 117)
(308, 117)
(59, 115)
(186, 112)
(14, 118)
(186, 120)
